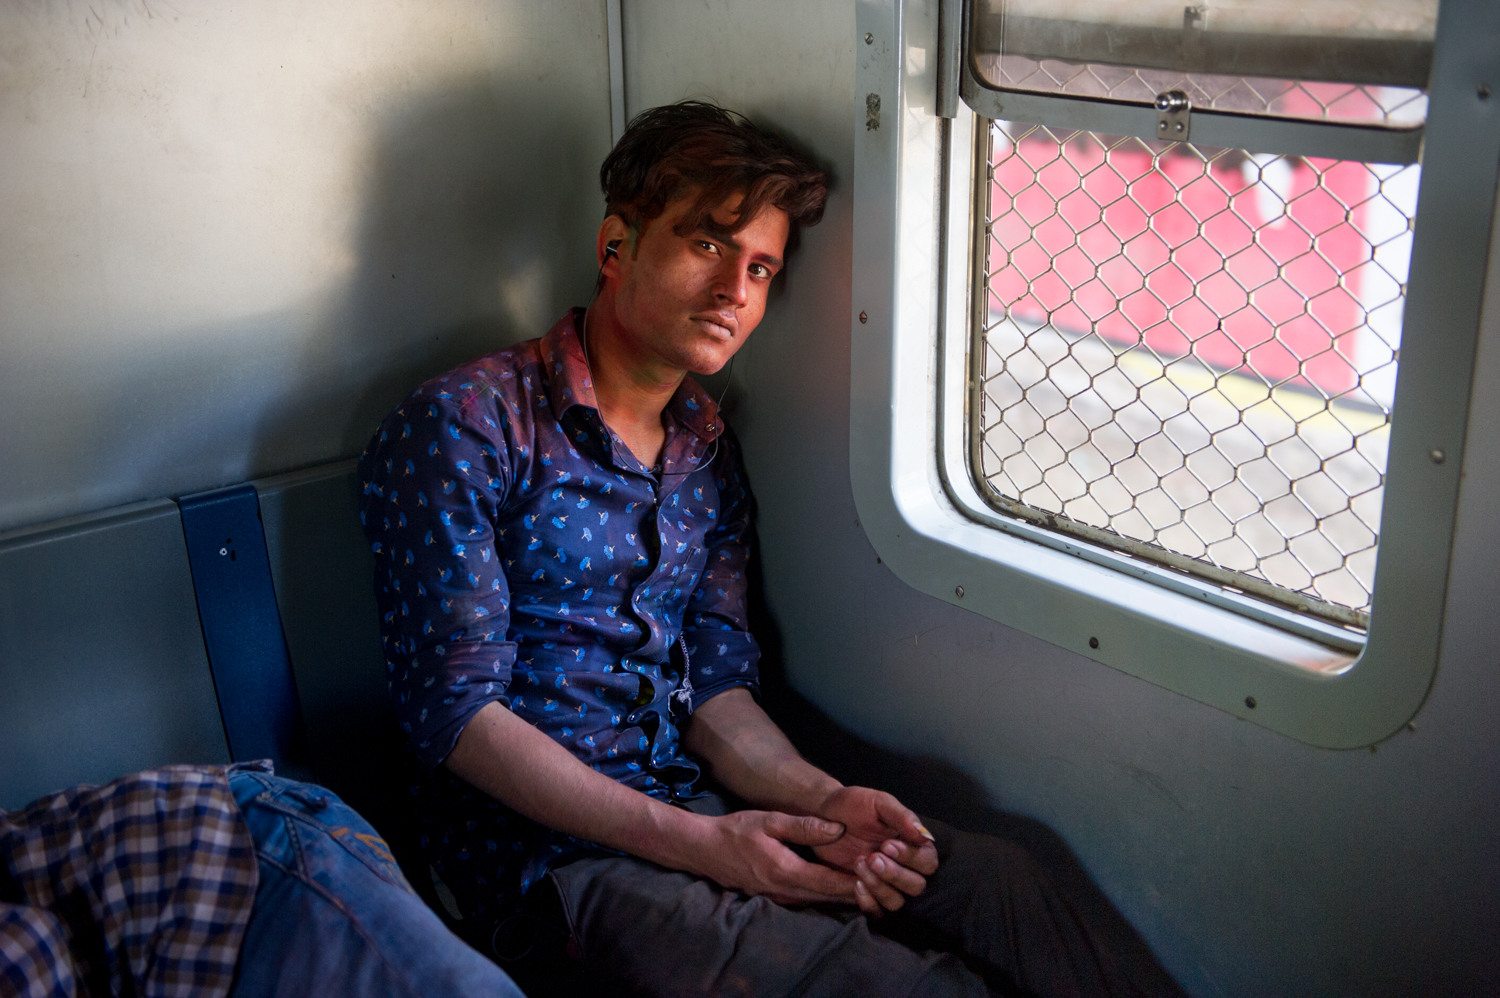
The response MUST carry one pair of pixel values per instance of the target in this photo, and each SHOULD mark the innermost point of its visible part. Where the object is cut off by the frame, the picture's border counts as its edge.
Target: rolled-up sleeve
(433, 479)
(722, 654)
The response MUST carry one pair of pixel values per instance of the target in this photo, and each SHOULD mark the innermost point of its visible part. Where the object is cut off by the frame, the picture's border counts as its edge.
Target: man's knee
(663, 932)
(973, 863)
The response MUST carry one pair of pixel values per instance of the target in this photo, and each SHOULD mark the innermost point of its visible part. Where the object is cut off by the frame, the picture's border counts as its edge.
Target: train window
(1189, 354)
(1163, 295)
(1186, 352)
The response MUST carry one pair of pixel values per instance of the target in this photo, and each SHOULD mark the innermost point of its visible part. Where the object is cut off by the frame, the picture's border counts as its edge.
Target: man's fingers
(804, 831)
(866, 901)
(889, 898)
(813, 883)
(902, 819)
(905, 880)
(923, 858)
(867, 904)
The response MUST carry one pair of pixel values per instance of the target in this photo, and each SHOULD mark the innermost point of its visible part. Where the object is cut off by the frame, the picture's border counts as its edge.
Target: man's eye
(760, 270)
(710, 247)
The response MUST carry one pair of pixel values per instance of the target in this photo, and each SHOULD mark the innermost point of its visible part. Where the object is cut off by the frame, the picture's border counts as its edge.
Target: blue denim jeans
(333, 915)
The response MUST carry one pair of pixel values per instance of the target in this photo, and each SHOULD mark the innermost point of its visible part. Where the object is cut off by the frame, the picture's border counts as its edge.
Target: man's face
(689, 301)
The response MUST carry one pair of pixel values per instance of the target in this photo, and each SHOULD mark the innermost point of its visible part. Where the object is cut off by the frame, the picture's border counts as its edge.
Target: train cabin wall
(234, 237)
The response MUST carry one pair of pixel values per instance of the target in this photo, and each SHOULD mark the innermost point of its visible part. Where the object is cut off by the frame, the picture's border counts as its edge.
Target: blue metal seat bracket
(247, 652)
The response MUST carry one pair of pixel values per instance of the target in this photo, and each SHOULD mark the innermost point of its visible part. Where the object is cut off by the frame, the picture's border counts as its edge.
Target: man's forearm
(751, 757)
(515, 763)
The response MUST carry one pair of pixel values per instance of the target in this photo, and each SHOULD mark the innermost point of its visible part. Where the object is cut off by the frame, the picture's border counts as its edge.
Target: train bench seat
(234, 624)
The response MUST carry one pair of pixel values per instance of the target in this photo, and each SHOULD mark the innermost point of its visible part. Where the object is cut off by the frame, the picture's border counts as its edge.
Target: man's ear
(613, 232)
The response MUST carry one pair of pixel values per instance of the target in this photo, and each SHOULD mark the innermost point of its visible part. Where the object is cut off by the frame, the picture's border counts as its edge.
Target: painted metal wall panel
(1254, 864)
(236, 235)
(102, 668)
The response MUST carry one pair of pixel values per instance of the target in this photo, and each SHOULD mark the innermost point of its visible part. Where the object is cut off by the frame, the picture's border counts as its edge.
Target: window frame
(914, 185)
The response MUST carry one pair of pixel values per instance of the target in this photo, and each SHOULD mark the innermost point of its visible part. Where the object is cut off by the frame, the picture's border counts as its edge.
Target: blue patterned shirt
(525, 556)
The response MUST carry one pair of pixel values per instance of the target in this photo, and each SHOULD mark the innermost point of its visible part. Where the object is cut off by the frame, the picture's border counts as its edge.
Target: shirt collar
(569, 383)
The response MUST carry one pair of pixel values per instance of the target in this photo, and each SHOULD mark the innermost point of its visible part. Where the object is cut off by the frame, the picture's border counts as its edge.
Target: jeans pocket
(365, 844)
(320, 817)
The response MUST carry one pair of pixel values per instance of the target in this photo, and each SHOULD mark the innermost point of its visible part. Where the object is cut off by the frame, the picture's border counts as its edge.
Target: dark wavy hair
(670, 151)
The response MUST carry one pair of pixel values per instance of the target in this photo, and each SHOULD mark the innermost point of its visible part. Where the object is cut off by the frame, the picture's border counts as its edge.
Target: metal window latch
(1173, 116)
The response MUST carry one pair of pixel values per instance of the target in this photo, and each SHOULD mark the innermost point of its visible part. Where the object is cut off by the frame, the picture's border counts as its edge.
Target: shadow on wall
(476, 232)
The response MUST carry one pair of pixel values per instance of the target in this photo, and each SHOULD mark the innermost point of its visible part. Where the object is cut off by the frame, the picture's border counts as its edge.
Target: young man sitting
(561, 532)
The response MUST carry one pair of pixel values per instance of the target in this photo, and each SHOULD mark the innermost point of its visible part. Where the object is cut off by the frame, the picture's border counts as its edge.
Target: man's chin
(705, 362)
(710, 368)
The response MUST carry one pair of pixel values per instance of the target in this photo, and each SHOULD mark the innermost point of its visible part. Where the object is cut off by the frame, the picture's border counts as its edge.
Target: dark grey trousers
(990, 922)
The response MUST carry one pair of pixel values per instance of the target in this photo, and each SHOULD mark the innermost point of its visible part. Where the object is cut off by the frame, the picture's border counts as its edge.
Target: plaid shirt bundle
(143, 886)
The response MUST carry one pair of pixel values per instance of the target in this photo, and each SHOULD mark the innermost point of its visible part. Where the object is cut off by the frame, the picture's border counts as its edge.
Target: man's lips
(718, 324)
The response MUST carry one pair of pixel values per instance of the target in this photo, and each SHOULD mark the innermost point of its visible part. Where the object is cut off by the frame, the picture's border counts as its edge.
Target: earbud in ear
(611, 251)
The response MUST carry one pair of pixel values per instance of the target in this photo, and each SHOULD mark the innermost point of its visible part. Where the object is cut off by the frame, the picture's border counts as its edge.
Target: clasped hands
(884, 845)
(874, 853)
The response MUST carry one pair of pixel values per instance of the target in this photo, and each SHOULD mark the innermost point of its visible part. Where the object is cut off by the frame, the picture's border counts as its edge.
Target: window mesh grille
(1390, 107)
(1189, 354)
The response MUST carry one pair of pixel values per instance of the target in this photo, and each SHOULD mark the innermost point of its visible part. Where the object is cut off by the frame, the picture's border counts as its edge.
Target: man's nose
(733, 286)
